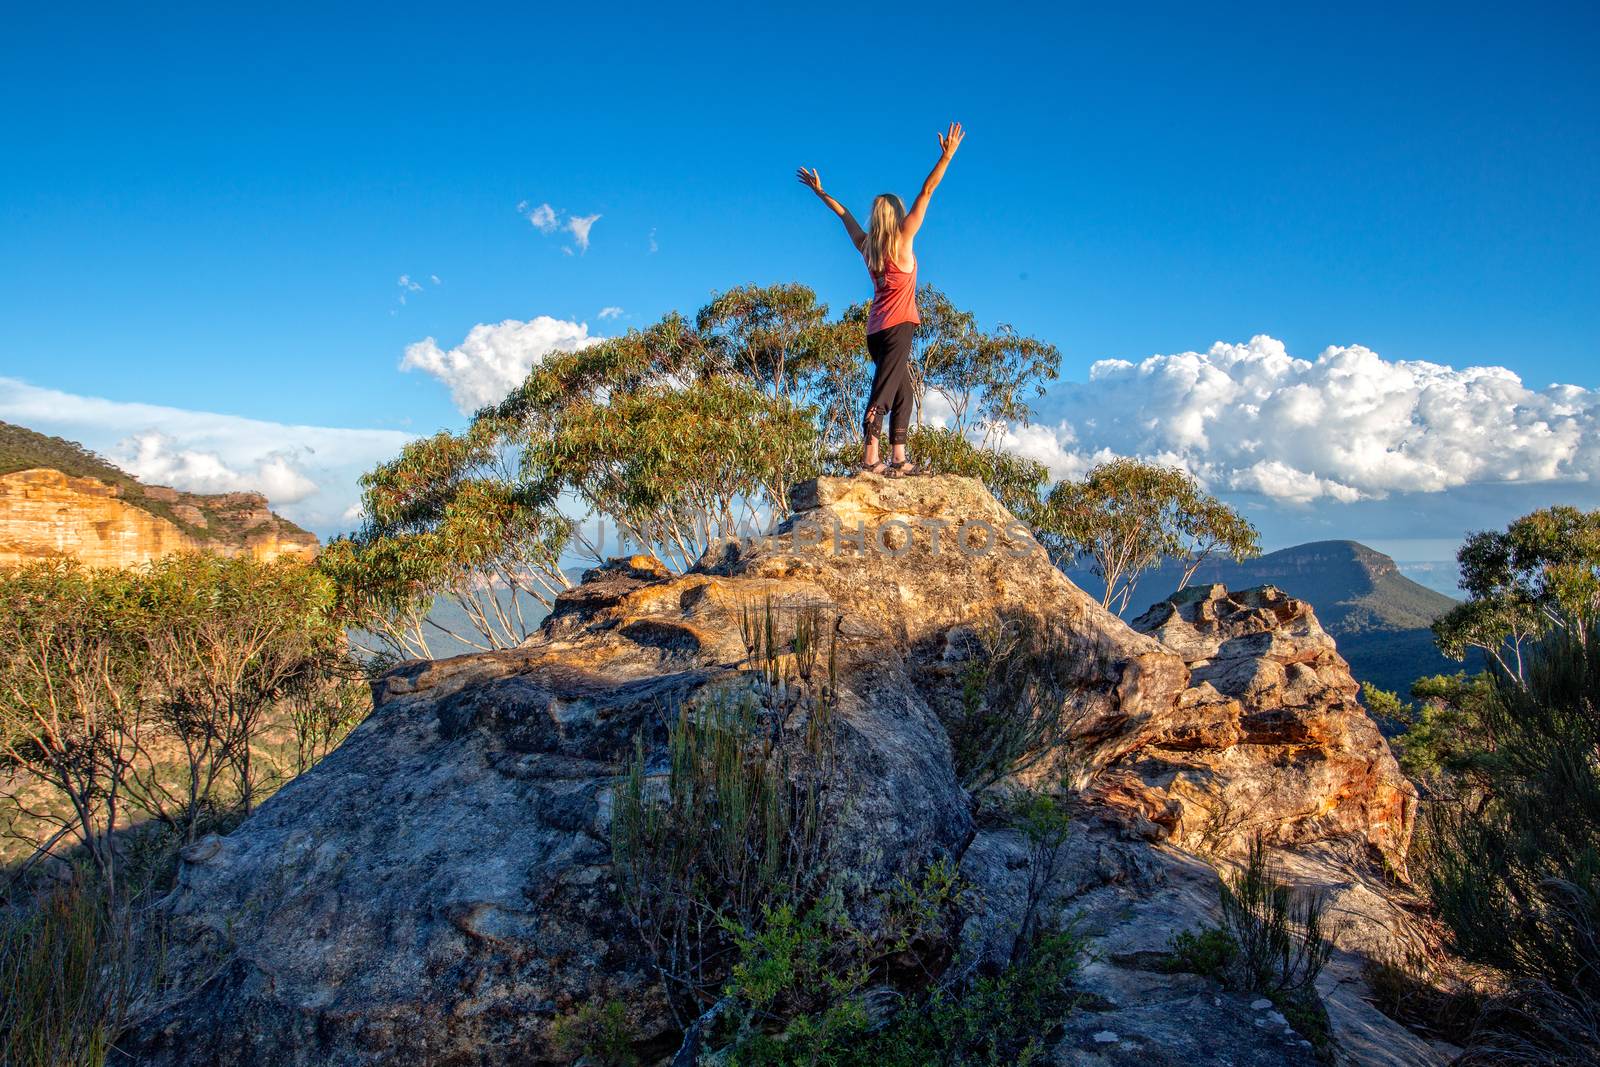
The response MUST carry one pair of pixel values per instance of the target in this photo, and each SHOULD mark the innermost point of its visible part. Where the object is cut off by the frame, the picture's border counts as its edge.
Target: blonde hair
(883, 231)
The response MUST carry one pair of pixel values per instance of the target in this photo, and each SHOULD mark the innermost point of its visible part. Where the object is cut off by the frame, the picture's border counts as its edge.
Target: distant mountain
(1379, 617)
(59, 499)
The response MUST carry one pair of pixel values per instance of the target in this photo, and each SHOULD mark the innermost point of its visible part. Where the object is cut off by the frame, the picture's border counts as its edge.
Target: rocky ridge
(59, 499)
(439, 889)
(45, 514)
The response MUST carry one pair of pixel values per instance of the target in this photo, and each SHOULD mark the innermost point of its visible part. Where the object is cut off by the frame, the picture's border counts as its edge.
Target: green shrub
(600, 1033)
(1209, 951)
(817, 988)
(814, 990)
(1007, 1019)
(1045, 822)
(1281, 944)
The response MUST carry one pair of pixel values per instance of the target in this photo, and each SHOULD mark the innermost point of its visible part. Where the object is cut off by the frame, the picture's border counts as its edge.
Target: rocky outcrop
(46, 514)
(1270, 738)
(439, 890)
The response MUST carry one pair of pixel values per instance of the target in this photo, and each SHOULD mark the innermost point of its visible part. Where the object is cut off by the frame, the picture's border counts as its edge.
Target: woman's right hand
(951, 140)
(810, 180)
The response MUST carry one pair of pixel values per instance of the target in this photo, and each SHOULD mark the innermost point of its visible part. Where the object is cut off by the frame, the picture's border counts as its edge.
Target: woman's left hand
(950, 141)
(810, 180)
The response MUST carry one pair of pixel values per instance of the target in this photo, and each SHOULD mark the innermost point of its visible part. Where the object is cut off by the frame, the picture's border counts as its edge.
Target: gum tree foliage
(1448, 736)
(779, 338)
(104, 674)
(449, 517)
(1127, 516)
(670, 438)
(1541, 574)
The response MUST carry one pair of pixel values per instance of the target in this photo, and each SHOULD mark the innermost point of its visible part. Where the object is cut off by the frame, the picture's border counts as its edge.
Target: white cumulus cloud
(494, 359)
(610, 311)
(1348, 425)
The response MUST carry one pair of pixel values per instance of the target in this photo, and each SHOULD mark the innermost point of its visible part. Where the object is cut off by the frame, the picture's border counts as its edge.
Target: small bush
(1044, 821)
(1513, 861)
(600, 1033)
(1210, 951)
(824, 963)
(1281, 944)
(1007, 1019)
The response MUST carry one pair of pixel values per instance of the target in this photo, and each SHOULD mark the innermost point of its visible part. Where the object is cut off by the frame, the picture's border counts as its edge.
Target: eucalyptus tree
(453, 516)
(1539, 575)
(676, 469)
(781, 340)
(1126, 517)
(71, 692)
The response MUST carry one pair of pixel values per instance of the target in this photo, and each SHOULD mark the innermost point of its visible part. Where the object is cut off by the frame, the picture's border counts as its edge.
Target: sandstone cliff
(440, 888)
(56, 499)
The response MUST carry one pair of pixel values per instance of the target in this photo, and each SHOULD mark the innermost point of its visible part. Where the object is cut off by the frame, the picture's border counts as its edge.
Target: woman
(886, 246)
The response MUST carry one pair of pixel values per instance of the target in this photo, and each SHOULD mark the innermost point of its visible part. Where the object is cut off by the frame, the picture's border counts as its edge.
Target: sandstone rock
(1270, 740)
(45, 513)
(438, 890)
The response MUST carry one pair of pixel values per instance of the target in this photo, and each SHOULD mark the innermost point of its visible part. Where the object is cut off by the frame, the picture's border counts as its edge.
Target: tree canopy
(671, 437)
(1540, 574)
(1127, 516)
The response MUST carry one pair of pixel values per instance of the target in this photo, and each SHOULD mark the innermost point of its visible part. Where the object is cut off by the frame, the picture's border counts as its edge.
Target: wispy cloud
(580, 228)
(544, 218)
(409, 285)
(653, 246)
(610, 312)
(547, 219)
(308, 473)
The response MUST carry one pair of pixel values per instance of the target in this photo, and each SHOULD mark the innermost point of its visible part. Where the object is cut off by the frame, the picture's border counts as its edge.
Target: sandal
(902, 470)
(879, 467)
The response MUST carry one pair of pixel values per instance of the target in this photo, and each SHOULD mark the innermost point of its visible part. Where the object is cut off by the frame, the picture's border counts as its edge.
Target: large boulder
(439, 890)
(1270, 739)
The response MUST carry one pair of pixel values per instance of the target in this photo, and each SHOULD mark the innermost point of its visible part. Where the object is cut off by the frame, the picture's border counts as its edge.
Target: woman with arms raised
(887, 247)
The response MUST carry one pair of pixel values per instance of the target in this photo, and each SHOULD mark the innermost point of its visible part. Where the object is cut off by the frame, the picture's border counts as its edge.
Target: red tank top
(894, 297)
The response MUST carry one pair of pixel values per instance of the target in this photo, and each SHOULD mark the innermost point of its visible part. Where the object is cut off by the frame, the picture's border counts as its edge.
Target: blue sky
(209, 213)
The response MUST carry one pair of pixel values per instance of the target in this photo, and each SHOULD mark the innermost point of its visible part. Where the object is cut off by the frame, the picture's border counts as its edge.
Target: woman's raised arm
(948, 143)
(810, 180)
